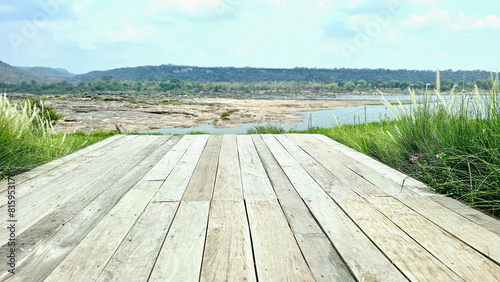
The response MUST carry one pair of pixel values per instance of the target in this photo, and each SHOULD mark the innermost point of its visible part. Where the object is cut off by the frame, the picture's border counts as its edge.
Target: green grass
(226, 114)
(27, 138)
(266, 129)
(457, 143)
(177, 102)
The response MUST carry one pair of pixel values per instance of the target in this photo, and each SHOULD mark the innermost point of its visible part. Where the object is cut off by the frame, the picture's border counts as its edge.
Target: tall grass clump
(28, 139)
(266, 129)
(450, 143)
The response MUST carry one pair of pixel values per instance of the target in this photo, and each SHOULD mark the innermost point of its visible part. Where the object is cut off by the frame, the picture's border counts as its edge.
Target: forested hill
(247, 75)
(10, 74)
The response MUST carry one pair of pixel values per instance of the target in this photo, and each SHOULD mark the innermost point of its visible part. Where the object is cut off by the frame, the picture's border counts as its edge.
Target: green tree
(107, 78)
(446, 84)
(349, 86)
(404, 85)
(362, 84)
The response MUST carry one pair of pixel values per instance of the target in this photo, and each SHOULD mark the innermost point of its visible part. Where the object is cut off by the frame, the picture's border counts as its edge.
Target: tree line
(107, 84)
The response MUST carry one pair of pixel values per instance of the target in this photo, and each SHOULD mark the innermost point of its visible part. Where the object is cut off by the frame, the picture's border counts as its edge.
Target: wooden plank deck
(229, 208)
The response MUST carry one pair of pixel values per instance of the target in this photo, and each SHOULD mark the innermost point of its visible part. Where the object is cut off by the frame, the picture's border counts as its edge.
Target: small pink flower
(414, 158)
(440, 155)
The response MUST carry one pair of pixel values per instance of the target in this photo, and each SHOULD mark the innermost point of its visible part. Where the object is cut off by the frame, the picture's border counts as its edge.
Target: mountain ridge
(165, 72)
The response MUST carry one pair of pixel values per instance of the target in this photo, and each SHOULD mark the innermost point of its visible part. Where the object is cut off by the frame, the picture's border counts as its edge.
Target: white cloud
(468, 23)
(193, 8)
(81, 5)
(424, 2)
(278, 4)
(355, 4)
(90, 38)
(434, 17)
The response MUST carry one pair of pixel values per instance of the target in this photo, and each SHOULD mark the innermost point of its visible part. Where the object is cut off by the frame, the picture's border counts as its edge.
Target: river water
(318, 118)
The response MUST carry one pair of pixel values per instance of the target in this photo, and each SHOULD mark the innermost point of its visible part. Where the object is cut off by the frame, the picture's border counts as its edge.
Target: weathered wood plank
(135, 258)
(298, 216)
(228, 250)
(325, 263)
(329, 182)
(38, 188)
(481, 219)
(416, 263)
(201, 185)
(92, 254)
(37, 182)
(277, 255)
(305, 185)
(329, 161)
(182, 252)
(254, 179)
(396, 176)
(362, 257)
(176, 183)
(486, 242)
(32, 209)
(51, 223)
(163, 168)
(43, 169)
(459, 257)
(228, 181)
(59, 233)
(361, 169)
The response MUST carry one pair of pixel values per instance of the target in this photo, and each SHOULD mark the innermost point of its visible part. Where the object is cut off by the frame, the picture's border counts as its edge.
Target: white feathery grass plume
(391, 107)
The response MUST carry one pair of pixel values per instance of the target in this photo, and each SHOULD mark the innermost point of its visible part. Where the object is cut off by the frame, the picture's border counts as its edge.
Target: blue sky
(86, 35)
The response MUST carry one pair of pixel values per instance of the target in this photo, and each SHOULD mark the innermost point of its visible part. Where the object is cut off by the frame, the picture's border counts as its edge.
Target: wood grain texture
(101, 243)
(416, 263)
(163, 168)
(33, 207)
(51, 241)
(254, 179)
(45, 168)
(362, 169)
(228, 180)
(363, 258)
(201, 185)
(396, 176)
(305, 185)
(484, 220)
(324, 261)
(177, 181)
(347, 176)
(228, 249)
(459, 257)
(298, 216)
(483, 240)
(277, 255)
(134, 259)
(225, 208)
(55, 220)
(39, 181)
(182, 252)
(329, 182)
